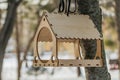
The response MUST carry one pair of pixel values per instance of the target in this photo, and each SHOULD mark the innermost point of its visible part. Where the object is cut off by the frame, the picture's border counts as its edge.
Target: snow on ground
(10, 72)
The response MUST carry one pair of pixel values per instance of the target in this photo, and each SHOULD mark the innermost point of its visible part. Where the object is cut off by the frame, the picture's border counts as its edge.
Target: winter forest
(19, 21)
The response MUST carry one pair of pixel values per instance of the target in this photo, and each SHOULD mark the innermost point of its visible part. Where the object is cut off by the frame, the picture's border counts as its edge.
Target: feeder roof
(73, 26)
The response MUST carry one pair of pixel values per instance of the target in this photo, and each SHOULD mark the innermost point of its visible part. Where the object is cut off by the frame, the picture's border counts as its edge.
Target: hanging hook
(61, 6)
(69, 6)
(75, 4)
(65, 7)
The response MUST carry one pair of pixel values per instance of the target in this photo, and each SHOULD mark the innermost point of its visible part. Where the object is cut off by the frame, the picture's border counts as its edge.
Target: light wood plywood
(60, 28)
(71, 63)
(74, 26)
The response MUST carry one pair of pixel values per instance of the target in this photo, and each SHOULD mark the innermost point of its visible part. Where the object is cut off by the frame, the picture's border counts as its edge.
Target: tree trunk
(117, 12)
(0, 18)
(78, 71)
(29, 45)
(18, 53)
(7, 29)
(91, 8)
(18, 49)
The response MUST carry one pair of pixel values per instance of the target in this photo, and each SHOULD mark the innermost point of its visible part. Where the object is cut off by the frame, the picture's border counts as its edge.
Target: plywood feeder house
(57, 28)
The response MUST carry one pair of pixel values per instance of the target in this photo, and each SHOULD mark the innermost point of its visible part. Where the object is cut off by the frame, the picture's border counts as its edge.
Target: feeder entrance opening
(45, 35)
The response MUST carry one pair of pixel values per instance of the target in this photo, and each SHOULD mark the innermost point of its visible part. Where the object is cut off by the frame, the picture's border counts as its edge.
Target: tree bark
(7, 29)
(117, 15)
(18, 49)
(0, 18)
(27, 49)
(78, 71)
(91, 8)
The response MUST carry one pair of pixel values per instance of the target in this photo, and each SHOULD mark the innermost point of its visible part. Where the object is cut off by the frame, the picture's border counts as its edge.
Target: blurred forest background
(25, 16)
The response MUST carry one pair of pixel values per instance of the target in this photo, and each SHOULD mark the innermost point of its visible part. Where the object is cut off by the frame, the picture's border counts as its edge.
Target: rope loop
(65, 6)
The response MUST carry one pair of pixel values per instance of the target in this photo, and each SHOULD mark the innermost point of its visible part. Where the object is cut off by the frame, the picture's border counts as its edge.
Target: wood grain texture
(61, 32)
(69, 63)
(74, 26)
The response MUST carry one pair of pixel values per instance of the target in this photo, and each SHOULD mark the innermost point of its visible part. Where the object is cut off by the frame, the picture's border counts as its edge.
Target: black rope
(66, 7)
(75, 4)
(61, 6)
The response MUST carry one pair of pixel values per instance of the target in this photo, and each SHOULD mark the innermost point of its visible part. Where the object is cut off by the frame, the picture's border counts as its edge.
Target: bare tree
(78, 71)
(117, 12)
(26, 50)
(0, 17)
(91, 8)
(20, 62)
(7, 28)
(18, 48)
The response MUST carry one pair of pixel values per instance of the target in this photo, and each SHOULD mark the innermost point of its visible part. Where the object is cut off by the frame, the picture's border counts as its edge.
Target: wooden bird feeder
(56, 27)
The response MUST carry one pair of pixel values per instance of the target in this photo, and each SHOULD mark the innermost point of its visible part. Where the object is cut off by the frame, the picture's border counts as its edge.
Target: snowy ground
(10, 72)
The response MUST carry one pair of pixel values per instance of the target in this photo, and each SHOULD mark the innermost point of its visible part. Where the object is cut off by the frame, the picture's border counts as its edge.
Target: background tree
(0, 16)
(7, 28)
(117, 15)
(27, 21)
(27, 12)
(91, 8)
